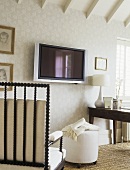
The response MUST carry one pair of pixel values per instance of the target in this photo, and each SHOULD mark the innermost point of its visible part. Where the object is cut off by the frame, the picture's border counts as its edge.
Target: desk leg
(114, 130)
(91, 119)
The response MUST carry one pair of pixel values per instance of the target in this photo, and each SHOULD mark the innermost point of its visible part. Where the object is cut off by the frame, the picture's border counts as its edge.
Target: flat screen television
(59, 64)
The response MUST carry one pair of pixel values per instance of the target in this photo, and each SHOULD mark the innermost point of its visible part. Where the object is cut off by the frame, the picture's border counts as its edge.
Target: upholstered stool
(84, 150)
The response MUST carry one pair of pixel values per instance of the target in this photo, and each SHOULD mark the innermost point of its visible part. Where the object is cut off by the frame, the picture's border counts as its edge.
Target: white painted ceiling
(109, 9)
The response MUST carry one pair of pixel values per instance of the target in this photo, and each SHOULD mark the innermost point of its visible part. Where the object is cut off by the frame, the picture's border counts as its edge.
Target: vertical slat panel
(24, 126)
(40, 131)
(29, 130)
(10, 128)
(5, 123)
(2, 129)
(15, 118)
(19, 130)
(34, 126)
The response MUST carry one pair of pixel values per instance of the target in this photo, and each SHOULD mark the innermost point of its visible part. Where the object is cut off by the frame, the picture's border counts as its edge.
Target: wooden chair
(25, 130)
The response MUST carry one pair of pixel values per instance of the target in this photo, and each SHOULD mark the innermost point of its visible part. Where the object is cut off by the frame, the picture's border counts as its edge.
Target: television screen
(56, 63)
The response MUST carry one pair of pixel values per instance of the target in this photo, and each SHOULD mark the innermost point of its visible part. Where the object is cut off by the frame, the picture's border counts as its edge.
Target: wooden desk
(122, 115)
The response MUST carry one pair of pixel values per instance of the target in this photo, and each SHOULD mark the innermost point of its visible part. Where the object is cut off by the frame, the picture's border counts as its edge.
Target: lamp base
(99, 103)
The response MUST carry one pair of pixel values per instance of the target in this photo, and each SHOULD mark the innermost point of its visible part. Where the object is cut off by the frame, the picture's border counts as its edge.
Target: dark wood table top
(114, 114)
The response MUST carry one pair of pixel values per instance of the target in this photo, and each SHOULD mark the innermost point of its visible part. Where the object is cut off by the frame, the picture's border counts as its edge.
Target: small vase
(115, 104)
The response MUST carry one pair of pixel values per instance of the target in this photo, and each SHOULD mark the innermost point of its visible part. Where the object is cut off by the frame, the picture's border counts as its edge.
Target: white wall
(50, 25)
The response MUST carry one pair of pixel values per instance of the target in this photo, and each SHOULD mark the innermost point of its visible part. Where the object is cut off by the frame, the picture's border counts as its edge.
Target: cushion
(55, 157)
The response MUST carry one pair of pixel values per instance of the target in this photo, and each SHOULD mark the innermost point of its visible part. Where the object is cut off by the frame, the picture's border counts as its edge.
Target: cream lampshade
(100, 80)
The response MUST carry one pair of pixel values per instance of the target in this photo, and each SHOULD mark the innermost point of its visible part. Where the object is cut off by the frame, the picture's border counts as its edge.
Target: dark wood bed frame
(45, 164)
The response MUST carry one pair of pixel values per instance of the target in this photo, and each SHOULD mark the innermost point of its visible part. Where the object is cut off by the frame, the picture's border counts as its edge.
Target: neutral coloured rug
(110, 157)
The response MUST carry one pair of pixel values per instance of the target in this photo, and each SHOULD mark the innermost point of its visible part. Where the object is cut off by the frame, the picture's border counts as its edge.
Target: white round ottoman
(84, 150)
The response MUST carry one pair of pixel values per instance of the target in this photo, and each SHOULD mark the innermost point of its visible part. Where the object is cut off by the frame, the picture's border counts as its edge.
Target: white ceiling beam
(127, 22)
(91, 7)
(67, 5)
(44, 3)
(114, 10)
(19, 1)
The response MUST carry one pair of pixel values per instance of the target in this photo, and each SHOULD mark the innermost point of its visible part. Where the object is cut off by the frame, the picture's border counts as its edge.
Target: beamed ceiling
(108, 9)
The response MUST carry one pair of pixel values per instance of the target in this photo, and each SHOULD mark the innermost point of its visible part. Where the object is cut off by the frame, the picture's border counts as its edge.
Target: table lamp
(100, 80)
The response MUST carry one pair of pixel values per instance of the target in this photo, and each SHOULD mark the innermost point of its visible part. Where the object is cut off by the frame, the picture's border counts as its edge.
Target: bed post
(47, 128)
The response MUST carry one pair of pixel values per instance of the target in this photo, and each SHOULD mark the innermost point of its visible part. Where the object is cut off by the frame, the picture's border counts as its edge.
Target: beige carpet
(111, 157)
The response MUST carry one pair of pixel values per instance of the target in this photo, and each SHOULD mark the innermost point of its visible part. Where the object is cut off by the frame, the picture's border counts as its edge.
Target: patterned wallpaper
(50, 25)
